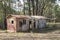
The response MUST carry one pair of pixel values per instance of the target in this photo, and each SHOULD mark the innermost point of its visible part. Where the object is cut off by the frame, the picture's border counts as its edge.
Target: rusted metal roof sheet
(27, 16)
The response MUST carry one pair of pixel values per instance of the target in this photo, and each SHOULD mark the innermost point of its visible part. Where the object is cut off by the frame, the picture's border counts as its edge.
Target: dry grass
(29, 36)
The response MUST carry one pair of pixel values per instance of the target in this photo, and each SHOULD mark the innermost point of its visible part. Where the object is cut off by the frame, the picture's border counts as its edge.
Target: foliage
(32, 7)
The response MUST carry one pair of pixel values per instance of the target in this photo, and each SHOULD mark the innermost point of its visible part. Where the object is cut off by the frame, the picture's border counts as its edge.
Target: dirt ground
(29, 36)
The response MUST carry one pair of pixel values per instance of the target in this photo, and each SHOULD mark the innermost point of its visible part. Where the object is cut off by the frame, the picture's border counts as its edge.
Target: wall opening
(20, 24)
(12, 22)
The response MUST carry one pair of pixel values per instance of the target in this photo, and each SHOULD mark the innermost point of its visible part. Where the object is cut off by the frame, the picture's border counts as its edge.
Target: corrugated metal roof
(27, 16)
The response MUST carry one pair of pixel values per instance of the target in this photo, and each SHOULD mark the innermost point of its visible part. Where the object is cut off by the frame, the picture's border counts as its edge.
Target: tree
(5, 9)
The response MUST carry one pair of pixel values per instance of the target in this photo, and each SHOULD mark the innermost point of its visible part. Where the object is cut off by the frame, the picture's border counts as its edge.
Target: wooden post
(27, 23)
(32, 24)
(36, 23)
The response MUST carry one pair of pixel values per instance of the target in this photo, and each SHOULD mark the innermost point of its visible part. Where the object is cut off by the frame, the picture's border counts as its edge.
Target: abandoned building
(24, 23)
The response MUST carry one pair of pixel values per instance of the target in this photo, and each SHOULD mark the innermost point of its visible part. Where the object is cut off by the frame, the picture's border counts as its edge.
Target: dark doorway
(20, 24)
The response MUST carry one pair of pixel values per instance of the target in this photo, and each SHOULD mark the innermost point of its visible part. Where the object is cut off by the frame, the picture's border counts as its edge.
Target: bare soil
(29, 36)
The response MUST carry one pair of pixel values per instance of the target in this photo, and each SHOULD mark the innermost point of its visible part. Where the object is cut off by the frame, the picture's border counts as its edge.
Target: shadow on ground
(47, 29)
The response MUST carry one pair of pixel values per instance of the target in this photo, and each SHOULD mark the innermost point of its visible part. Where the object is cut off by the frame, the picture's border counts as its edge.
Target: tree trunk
(5, 24)
(24, 7)
(33, 6)
(36, 7)
(29, 6)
